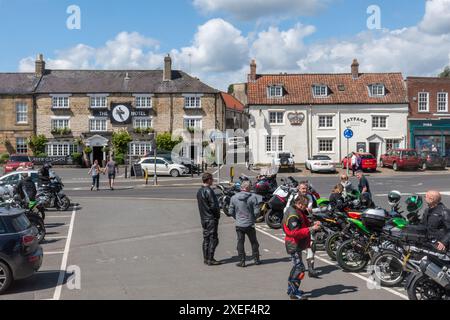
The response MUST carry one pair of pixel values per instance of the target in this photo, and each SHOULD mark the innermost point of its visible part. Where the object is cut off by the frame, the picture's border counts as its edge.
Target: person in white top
(354, 163)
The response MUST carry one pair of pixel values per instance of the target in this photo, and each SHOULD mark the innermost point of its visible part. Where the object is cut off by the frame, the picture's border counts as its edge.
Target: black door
(98, 155)
(373, 149)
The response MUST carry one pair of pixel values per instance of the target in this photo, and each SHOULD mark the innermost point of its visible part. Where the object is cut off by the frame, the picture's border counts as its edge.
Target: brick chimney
(40, 66)
(252, 76)
(167, 68)
(355, 69)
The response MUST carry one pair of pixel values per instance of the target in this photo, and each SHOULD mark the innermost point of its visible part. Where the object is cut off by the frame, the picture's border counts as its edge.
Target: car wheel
(395, 166)
(5, 277)
(175, 173)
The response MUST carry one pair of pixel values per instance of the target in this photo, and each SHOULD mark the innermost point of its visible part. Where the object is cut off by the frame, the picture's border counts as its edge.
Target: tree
(37, 144)
(166, 142)
(231, 89)
(120, 141)
(445, 73)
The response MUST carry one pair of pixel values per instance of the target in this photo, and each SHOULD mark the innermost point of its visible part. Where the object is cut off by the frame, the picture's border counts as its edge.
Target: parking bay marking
(332, 264)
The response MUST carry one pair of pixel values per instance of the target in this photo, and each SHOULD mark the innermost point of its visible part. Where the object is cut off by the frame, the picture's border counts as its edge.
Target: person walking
(354, 161)
(209, 209)
(112, 169)
(297, 229)
(244, 207)
(94, 172)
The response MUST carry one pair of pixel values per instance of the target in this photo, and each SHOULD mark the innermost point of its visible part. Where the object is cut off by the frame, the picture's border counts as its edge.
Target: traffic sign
(348, 134)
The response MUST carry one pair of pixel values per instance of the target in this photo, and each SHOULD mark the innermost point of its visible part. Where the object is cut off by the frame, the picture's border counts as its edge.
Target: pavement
(144, 242)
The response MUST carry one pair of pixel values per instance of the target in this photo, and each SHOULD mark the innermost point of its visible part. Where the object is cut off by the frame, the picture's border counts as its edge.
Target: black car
(20, 253)
(433, 160)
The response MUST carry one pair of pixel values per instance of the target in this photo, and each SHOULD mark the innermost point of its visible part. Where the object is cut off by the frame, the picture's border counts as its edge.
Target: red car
(368, 161)
(18, 161)
(401, 158)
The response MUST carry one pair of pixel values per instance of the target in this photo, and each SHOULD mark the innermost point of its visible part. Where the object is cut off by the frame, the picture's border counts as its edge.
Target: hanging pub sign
(355, 121)
(121, 113)
(296, 118)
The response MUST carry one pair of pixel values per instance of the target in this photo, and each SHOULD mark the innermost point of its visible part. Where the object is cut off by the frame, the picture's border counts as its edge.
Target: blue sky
(29, 27)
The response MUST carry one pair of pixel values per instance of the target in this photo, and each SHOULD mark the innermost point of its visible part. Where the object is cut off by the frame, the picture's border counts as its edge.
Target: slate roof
(17, 83)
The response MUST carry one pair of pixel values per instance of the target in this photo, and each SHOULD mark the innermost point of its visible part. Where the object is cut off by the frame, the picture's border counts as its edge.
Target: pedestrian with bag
(94, 172)
(209, 209)
(244, 208)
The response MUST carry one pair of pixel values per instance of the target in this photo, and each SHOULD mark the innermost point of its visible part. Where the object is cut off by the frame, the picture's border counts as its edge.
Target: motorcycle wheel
(388, 268)
(421, 287)
(349, 259)
(64, 204)
(40, 226)
(274, 219)
(262, 213)
(332, 244)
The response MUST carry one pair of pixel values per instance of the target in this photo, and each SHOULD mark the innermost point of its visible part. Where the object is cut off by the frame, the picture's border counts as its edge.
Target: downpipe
(436, 273)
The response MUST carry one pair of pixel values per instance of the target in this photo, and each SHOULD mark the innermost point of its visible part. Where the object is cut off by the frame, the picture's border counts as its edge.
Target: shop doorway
(97, 154)
(373, 149)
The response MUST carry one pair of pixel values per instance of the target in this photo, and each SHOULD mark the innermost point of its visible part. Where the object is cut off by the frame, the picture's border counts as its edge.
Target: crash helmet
(414, 203)
(394, 197)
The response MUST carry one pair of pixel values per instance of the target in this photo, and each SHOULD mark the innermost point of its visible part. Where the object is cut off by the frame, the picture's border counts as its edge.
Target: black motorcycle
(51, 195)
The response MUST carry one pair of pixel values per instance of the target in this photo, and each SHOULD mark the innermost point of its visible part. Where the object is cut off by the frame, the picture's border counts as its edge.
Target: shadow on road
(333, 290)
(40, 281)
(235, 259)
(54, 225)
(326, 269)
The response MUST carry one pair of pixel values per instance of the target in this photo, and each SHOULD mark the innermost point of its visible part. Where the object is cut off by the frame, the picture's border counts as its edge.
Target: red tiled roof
(298, 89)
(231, 102)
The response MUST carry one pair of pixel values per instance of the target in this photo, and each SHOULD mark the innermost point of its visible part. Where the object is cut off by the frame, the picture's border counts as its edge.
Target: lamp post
(153, 136)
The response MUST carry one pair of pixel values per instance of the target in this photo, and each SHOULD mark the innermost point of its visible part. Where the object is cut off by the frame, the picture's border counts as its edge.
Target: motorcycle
(51, 195)
(227, 192)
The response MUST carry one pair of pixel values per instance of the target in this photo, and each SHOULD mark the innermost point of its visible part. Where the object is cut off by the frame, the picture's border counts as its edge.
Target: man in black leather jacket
(26, 189)
(437, 220)
(208, 205)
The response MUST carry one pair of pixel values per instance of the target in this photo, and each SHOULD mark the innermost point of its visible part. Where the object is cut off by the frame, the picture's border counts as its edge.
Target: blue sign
(348, 134)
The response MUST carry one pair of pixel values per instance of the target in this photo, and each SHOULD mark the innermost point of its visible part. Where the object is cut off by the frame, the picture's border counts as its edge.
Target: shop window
(392, 144)
(61, 149)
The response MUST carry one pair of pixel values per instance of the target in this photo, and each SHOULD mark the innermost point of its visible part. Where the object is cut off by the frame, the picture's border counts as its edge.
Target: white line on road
(132, 198)
(53, 253)
(56, 238)
(332, 264)
(56, 217)
(63, 268)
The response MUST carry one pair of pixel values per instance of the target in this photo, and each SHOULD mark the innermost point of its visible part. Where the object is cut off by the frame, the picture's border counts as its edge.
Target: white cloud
(437, 17)
(254, 9)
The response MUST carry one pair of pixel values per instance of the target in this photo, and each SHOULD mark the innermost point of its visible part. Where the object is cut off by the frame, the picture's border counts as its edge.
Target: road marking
(56, 238)
(62, 272)
(53, 253)
(145, 199)
(54, 217)
(332, 264)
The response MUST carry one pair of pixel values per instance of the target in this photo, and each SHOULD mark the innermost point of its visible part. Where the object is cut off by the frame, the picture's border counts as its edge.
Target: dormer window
(320, 91)
(377, 90)
(275, 91)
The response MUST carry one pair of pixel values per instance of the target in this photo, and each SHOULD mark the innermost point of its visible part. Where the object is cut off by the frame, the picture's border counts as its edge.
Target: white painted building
(307, 114)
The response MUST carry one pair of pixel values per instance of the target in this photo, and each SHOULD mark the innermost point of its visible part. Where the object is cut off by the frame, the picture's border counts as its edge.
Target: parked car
(163, 167)
(20, 253)
(285, 160)
(18, 161)
(320, 163)
(12, 179)
(188, 163)
(433, 160)
(368, 161)
(399, 159)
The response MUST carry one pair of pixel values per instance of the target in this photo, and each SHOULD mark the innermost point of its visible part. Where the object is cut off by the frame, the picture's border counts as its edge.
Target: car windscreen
(20, 223)
(323, 158)
(284, 155)
(367, 156)
(19, 159)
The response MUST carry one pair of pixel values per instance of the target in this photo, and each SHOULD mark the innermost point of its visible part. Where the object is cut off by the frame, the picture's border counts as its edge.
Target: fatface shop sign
(355, 121)
(296, 118)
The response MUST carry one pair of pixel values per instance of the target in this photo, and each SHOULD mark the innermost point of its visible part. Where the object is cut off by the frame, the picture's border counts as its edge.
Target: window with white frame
(22, 113)
(99, 102)
(143, 101)
(60, 102)
(61, 149)
(442, 102)
(325, 121)
(142, 122)
(320, 91)
(274, 144)
(192, 102)
(392, 144)
(379, 122)
(21, 146)
(60, 123)
(140, 148)
(275, 91)
(192, 123)
(98, 125)
(377, 90)
(326, 145)
(276, 117)
(424, 101)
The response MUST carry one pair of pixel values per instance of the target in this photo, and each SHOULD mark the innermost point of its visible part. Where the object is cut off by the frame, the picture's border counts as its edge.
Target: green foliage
(164, 141)
(3, 158)
(42, 155)
(106, 149)
(61, 132)
(119, 159)
(120, 141)
(144, 131)
(445, 73)
(87, 150)
(231, 89)
(77, 157)
(37, 144)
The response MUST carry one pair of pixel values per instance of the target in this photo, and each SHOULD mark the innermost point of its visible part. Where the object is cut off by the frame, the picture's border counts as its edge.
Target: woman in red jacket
(297, 228)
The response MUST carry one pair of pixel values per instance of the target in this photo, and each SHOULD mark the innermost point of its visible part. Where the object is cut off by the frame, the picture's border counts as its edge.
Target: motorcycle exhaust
(436, 273)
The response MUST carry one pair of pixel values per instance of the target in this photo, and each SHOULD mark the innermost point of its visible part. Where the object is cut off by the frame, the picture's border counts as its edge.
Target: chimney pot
(40, 66)
(355, 69)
